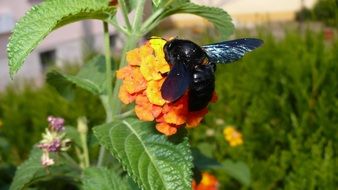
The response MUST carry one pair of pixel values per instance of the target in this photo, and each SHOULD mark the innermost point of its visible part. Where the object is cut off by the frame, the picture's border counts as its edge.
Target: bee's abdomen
(202, 87)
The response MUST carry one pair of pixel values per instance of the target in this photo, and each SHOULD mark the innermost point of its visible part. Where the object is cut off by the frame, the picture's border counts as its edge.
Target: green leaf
(217, 16)
(32, 170)
(103, 179)
(149, 158)
(203, 162)
(47, 16)
(131, 4)
(27, 171)
(237, 170)
(91, 77)
(73, 134)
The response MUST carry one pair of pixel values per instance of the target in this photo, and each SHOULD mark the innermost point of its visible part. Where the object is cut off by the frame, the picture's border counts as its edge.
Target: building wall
(247, 12)
(70, 42)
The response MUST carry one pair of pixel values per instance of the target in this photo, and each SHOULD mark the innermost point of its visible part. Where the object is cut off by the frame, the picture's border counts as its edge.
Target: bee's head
(183, 51)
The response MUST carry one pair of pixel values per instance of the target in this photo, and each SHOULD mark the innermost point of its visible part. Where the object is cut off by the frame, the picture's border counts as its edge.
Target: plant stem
(109, 91)
(125, 13)
(131, 39)
(138, 15)
(109, 77)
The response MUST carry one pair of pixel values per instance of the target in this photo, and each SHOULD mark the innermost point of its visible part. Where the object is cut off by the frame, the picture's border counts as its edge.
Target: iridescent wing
(176, 83)
(230, 51)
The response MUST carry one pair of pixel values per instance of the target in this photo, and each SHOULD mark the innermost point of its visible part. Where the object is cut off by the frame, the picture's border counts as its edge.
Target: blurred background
(282, 99)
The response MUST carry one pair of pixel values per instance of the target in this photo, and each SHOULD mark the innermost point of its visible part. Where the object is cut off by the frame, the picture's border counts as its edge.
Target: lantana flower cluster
(53, 140)
(208, 182)
(232, 136)
(142, 80)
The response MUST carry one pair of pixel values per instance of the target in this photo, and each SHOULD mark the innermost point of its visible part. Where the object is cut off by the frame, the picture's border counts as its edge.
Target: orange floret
(176, 112)
(143, 108)
(135, 56)
(125, 97)
(135, 82)
(149, 69)
(194, 118)
(124, 72)
(208, 182)
(153, 92)
(167, 129)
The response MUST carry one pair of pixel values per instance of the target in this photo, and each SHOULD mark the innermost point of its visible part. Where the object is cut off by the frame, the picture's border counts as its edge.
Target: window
(47, 59)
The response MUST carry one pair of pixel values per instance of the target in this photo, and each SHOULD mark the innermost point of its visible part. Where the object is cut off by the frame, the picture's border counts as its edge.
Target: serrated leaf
(26, 172)
(217, 16)
(238, 170)
(32, 170)
(149, 158)
(91, 77)
(103, 179)
(44, 18)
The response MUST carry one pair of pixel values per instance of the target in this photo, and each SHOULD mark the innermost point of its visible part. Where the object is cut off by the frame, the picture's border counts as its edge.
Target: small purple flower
(54, 146)
(56, 123)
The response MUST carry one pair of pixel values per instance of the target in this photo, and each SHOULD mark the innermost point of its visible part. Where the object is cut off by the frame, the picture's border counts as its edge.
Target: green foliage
(46, 17)
(237, 170)
(327, 12)
(24, 115)
(91, 77)
(283, 98)
(324, 11)
(103, 179)
(31, 171)
(27, 171)
(153, 161)
(217, 16)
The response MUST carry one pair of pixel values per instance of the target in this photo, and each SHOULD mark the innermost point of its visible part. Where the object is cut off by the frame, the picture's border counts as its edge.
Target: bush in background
(283, 98)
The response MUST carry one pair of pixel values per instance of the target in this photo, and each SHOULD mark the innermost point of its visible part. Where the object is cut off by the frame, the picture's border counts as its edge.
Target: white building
(249, 13)
(67, 44)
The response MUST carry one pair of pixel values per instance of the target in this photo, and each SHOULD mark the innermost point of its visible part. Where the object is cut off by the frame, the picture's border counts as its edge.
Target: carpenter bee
(193, 68)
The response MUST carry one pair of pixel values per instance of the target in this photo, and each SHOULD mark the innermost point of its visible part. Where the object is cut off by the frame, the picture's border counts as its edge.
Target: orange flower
(208, 182)
(135, 56)
(194, 118)
(142, 81)
(126, 97)
(176, 112)
(166, 128)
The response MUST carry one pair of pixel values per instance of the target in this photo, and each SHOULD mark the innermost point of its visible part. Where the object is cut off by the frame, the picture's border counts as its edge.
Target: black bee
(193, 68)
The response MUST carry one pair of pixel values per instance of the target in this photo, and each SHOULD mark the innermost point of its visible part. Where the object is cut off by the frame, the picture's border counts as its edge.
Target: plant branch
(138, 16)
(125, 14)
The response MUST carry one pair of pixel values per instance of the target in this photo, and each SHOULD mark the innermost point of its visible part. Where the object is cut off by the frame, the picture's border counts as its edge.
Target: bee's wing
(230, 51)
(176, 83)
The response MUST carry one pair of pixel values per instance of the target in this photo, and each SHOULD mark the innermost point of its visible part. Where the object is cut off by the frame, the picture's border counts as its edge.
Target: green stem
(132, 38)
(125, 13)
(83, 138)
(107, 104)
(109, 76)
(138, 16)
(151, 19)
